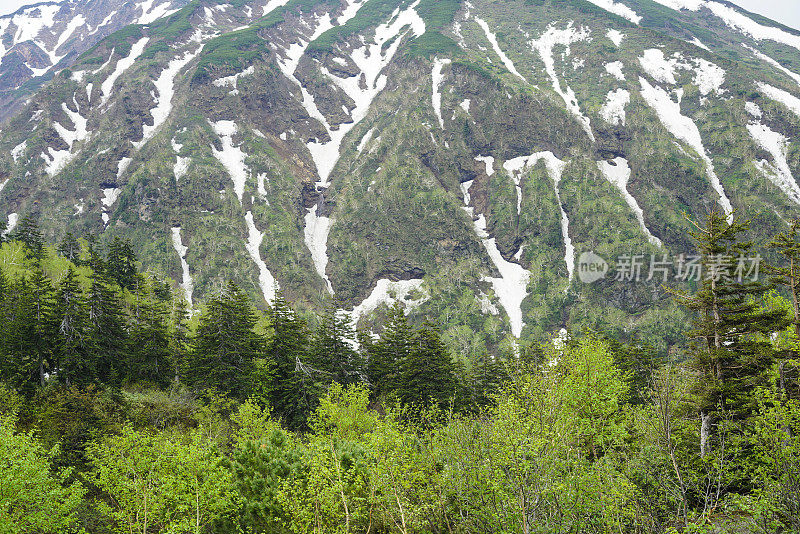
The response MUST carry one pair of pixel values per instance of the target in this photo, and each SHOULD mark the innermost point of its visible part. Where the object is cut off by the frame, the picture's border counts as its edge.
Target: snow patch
(316, 237)
(492, 38)
(389, 292)
(122, 165)
(684, 129)
(777, 172)
(555, 168)
(753, 109)
(489, 162)
(231, 81)
(165, 85)
(365, 140)
(265, 278)
(615, 36)
(779, 95)
(465, 105)
(695, 41)
(438, 65)
(613, 111)
(18, 150)
(708, 77)
(187, 284)
(544, 46)
(615, 69)
(618, 8)
(764, 57)
(618, 173)
(12, 223)
(231, 157)
(123, 64)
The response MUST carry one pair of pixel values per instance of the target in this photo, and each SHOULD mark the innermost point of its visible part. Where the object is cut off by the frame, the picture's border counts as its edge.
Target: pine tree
(179, 342)
(27, 232)
(70, 248)
(333, 348)
(147, 355)
(226, 344)
(726, 349)
(295, 388)
(107, 331)
(74, 356)
(428, 372)
(121, 264)
(386, 356)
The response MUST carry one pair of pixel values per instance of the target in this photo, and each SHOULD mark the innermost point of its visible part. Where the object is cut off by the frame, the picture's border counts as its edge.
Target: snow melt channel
(123, 64)
(389, 292)
(544, 46)
(492, 38)
(618, 173)
(231, 157)
(438, 65)
(777, 145)
(187, 284)
(265, 278)
(555, 168)
(684, 129)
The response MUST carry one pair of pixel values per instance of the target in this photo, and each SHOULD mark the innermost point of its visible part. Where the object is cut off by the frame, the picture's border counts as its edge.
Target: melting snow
(187, 285)
(787, 99)
(316, 237)
(265, 278)
(122, 165)
(511, 287)
(231, 157)
(489, 162)
(616, 36)
(388, 292)
(615, 69)
(165, 84)
(12, 223)
(708, 77)
(753, 109)
(695, 41)
(149, 15)
(613, 111)
(683, 128)
(618, 174)
(79, 134)
(123, 64)
(465, 105)
(438, 65)
(544, 46)
(656, 65)
(181, 166)
(777, 145)
(555, 168)
(493, 40)
(18, 150)
(365, 139)
(231, 81)
(618, 9)
(764, 57)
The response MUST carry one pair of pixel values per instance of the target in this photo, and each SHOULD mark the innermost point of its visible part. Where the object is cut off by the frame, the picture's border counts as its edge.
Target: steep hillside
(38, 40)
(455, 156)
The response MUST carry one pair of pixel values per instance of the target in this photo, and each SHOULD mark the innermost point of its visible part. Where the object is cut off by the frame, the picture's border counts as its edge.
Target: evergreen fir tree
(295, 387)
(726, 350)
(107, 329)
(148, 356)
(386, 356)
(226, 345)
(27, 232)
(74, 356)
(121, 264)
(70, 248)
(428, 372)
(332, 348)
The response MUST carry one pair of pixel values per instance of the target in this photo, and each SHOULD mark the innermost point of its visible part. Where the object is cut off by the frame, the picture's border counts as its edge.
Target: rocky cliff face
(456, 157)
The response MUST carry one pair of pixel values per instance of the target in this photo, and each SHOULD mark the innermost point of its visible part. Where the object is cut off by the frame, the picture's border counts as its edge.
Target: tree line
(122, 412)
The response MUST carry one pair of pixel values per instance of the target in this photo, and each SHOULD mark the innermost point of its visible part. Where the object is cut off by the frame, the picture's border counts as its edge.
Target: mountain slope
(38, 40)
(455, 156)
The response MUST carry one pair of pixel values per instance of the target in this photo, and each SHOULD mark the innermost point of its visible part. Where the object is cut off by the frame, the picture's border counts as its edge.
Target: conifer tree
(74, 356)
(70, 248)
(333, 348)
(106, 317)
(295, 389)
(147, 355)
(121, 264)
(428, 372)
(27, 232)
(386, 355)
(726, 350)
(226, 345)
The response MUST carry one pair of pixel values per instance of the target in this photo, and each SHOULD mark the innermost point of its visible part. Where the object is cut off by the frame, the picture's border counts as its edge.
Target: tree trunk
(705, 433)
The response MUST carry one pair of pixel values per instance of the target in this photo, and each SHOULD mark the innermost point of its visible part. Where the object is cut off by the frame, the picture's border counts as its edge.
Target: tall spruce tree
(387, 354)
(296, 382)
(148, 355)
(428, 373)
(27, 232)
(726, 349)
(107, 329)
(70, 248)
(73, 346)
(120, 264)
(226, 344)
(332, 348)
